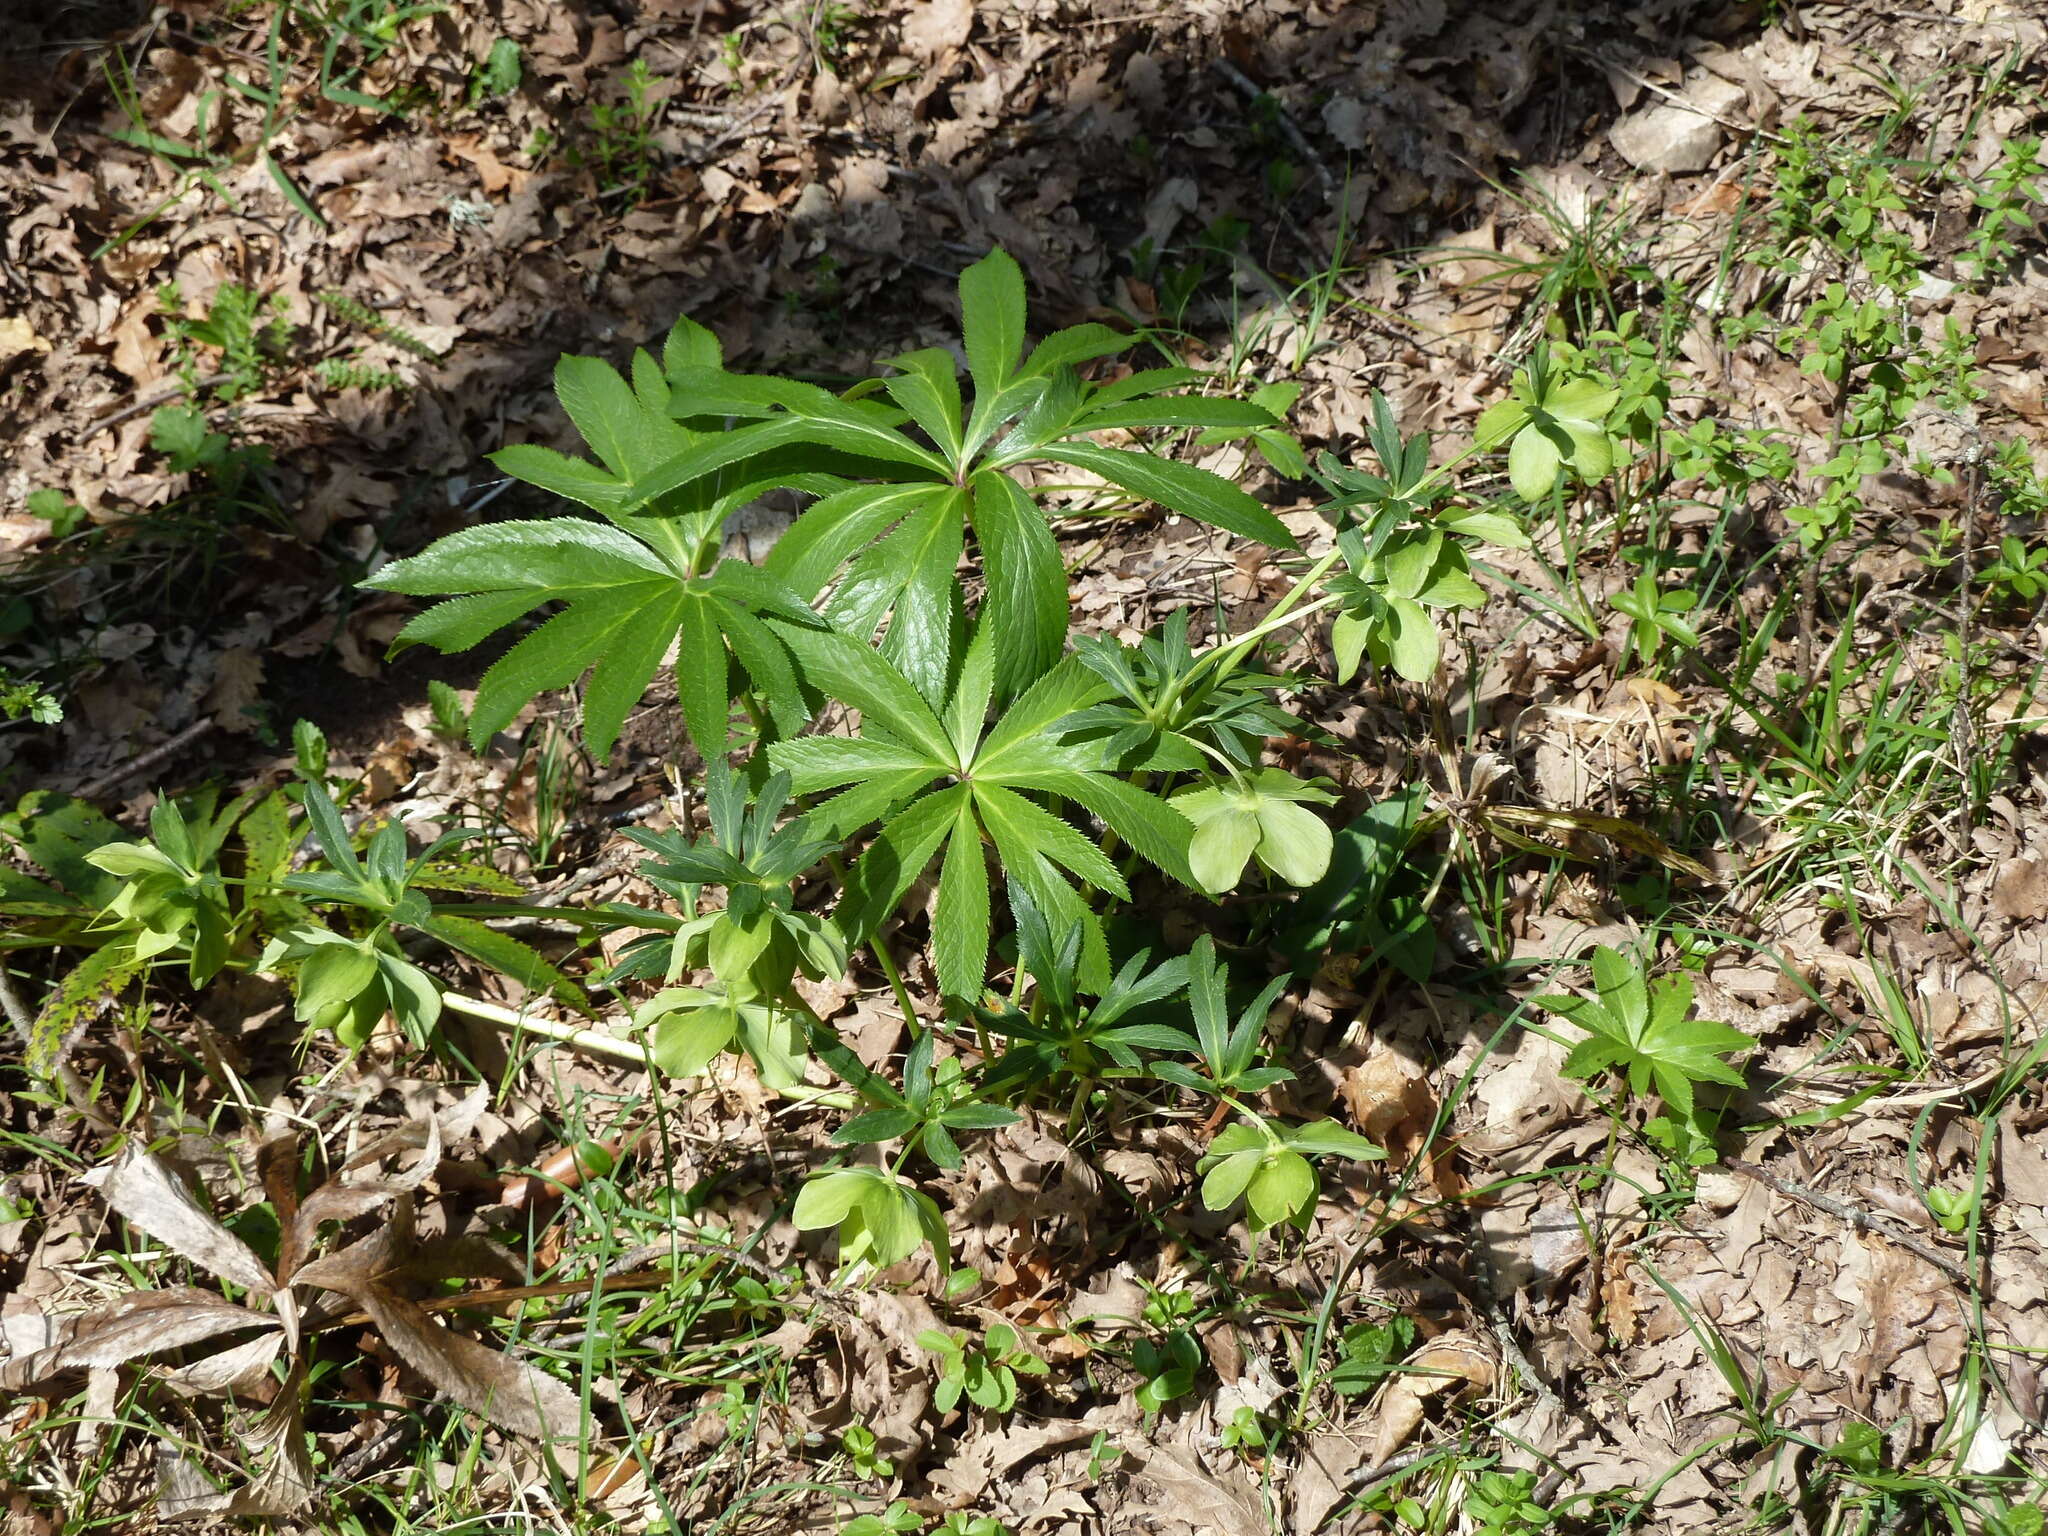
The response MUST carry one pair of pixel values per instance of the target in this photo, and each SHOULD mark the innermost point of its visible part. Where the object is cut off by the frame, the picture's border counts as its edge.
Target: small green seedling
(985, 1374)
(899, 1519)
(1267, 1165)
(1552, 420)
(881, 1218)
(1402, 543)
(937, 1099)
(1953, 1208)
(858, 1441)
(345, 982)
(172, 895)
(1655, 617)
(1370, 1352)
(1504, 1504)
(1169, 1365)
(1176, 710)
(1246, 1432)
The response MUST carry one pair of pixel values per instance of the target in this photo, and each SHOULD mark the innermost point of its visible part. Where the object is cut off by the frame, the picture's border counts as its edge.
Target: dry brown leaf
(2023, 1164)
(140, 1323)
(284, 1484)
(242, 1368)
(2021, 891)
(1452, 1361)
(356, 1268)
(237, 685)
(982, 1459)
(145, 1192)
(508, 1392)
(1209, 1503)
(18, 336)
(936, 26)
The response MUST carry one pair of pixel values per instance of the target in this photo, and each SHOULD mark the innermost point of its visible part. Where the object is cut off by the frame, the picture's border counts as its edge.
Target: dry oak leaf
(937, 26)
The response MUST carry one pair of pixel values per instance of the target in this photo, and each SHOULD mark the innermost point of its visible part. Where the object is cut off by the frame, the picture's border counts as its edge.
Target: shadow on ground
(1143, 170)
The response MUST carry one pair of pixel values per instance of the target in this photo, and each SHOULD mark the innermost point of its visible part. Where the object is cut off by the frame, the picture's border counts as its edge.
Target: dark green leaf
(1027, 582)
(1183, 488)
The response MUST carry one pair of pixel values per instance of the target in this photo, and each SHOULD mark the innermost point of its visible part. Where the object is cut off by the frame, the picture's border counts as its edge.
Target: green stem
(878, 946)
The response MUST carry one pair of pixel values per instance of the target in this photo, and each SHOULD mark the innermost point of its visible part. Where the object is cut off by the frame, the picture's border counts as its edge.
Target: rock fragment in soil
(1677, 139)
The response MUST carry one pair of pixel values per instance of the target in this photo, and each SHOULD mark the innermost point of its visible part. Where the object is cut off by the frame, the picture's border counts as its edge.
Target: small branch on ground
(1862, 1221)
(156, 756)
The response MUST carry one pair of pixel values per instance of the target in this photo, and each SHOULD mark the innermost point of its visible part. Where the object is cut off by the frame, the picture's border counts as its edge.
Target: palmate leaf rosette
(1262, 815)
(1645, 1029)
(1267, 1165)
(880, 556)
(647, 579)
(346, 985)
(1551, 421)
(686, 1027)
(626, 598)
(881, 1218)
(947, 784)
(1390, 597)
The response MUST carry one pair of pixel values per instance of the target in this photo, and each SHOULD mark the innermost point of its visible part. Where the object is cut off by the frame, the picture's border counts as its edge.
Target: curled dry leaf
(239, 1368)
(509, 1393)
(1451, 1362)
(138, 1324)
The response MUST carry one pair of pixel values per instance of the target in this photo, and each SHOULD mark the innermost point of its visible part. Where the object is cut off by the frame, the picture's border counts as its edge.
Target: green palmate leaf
(1259, 815)
(1076, 344)
(1326, 1138)
(1536, 457)
(631, 441)
(791, 412)
(836, 527)
(842, 668)
(687, 1028)
(1644, 1029)
(907, 748)
(1283, 1188)
(625, 602)
(1553, 422)
(900, 547)
(1268, 1166)
(1233, 1158)
(1217, 415)
(55, 833)
(880, 1219)
(25, 896)
(1184, 488)
(1226, 834)
(573, 479)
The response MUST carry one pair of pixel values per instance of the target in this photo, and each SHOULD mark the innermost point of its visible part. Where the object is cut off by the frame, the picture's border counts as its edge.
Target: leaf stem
(597, 1042)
